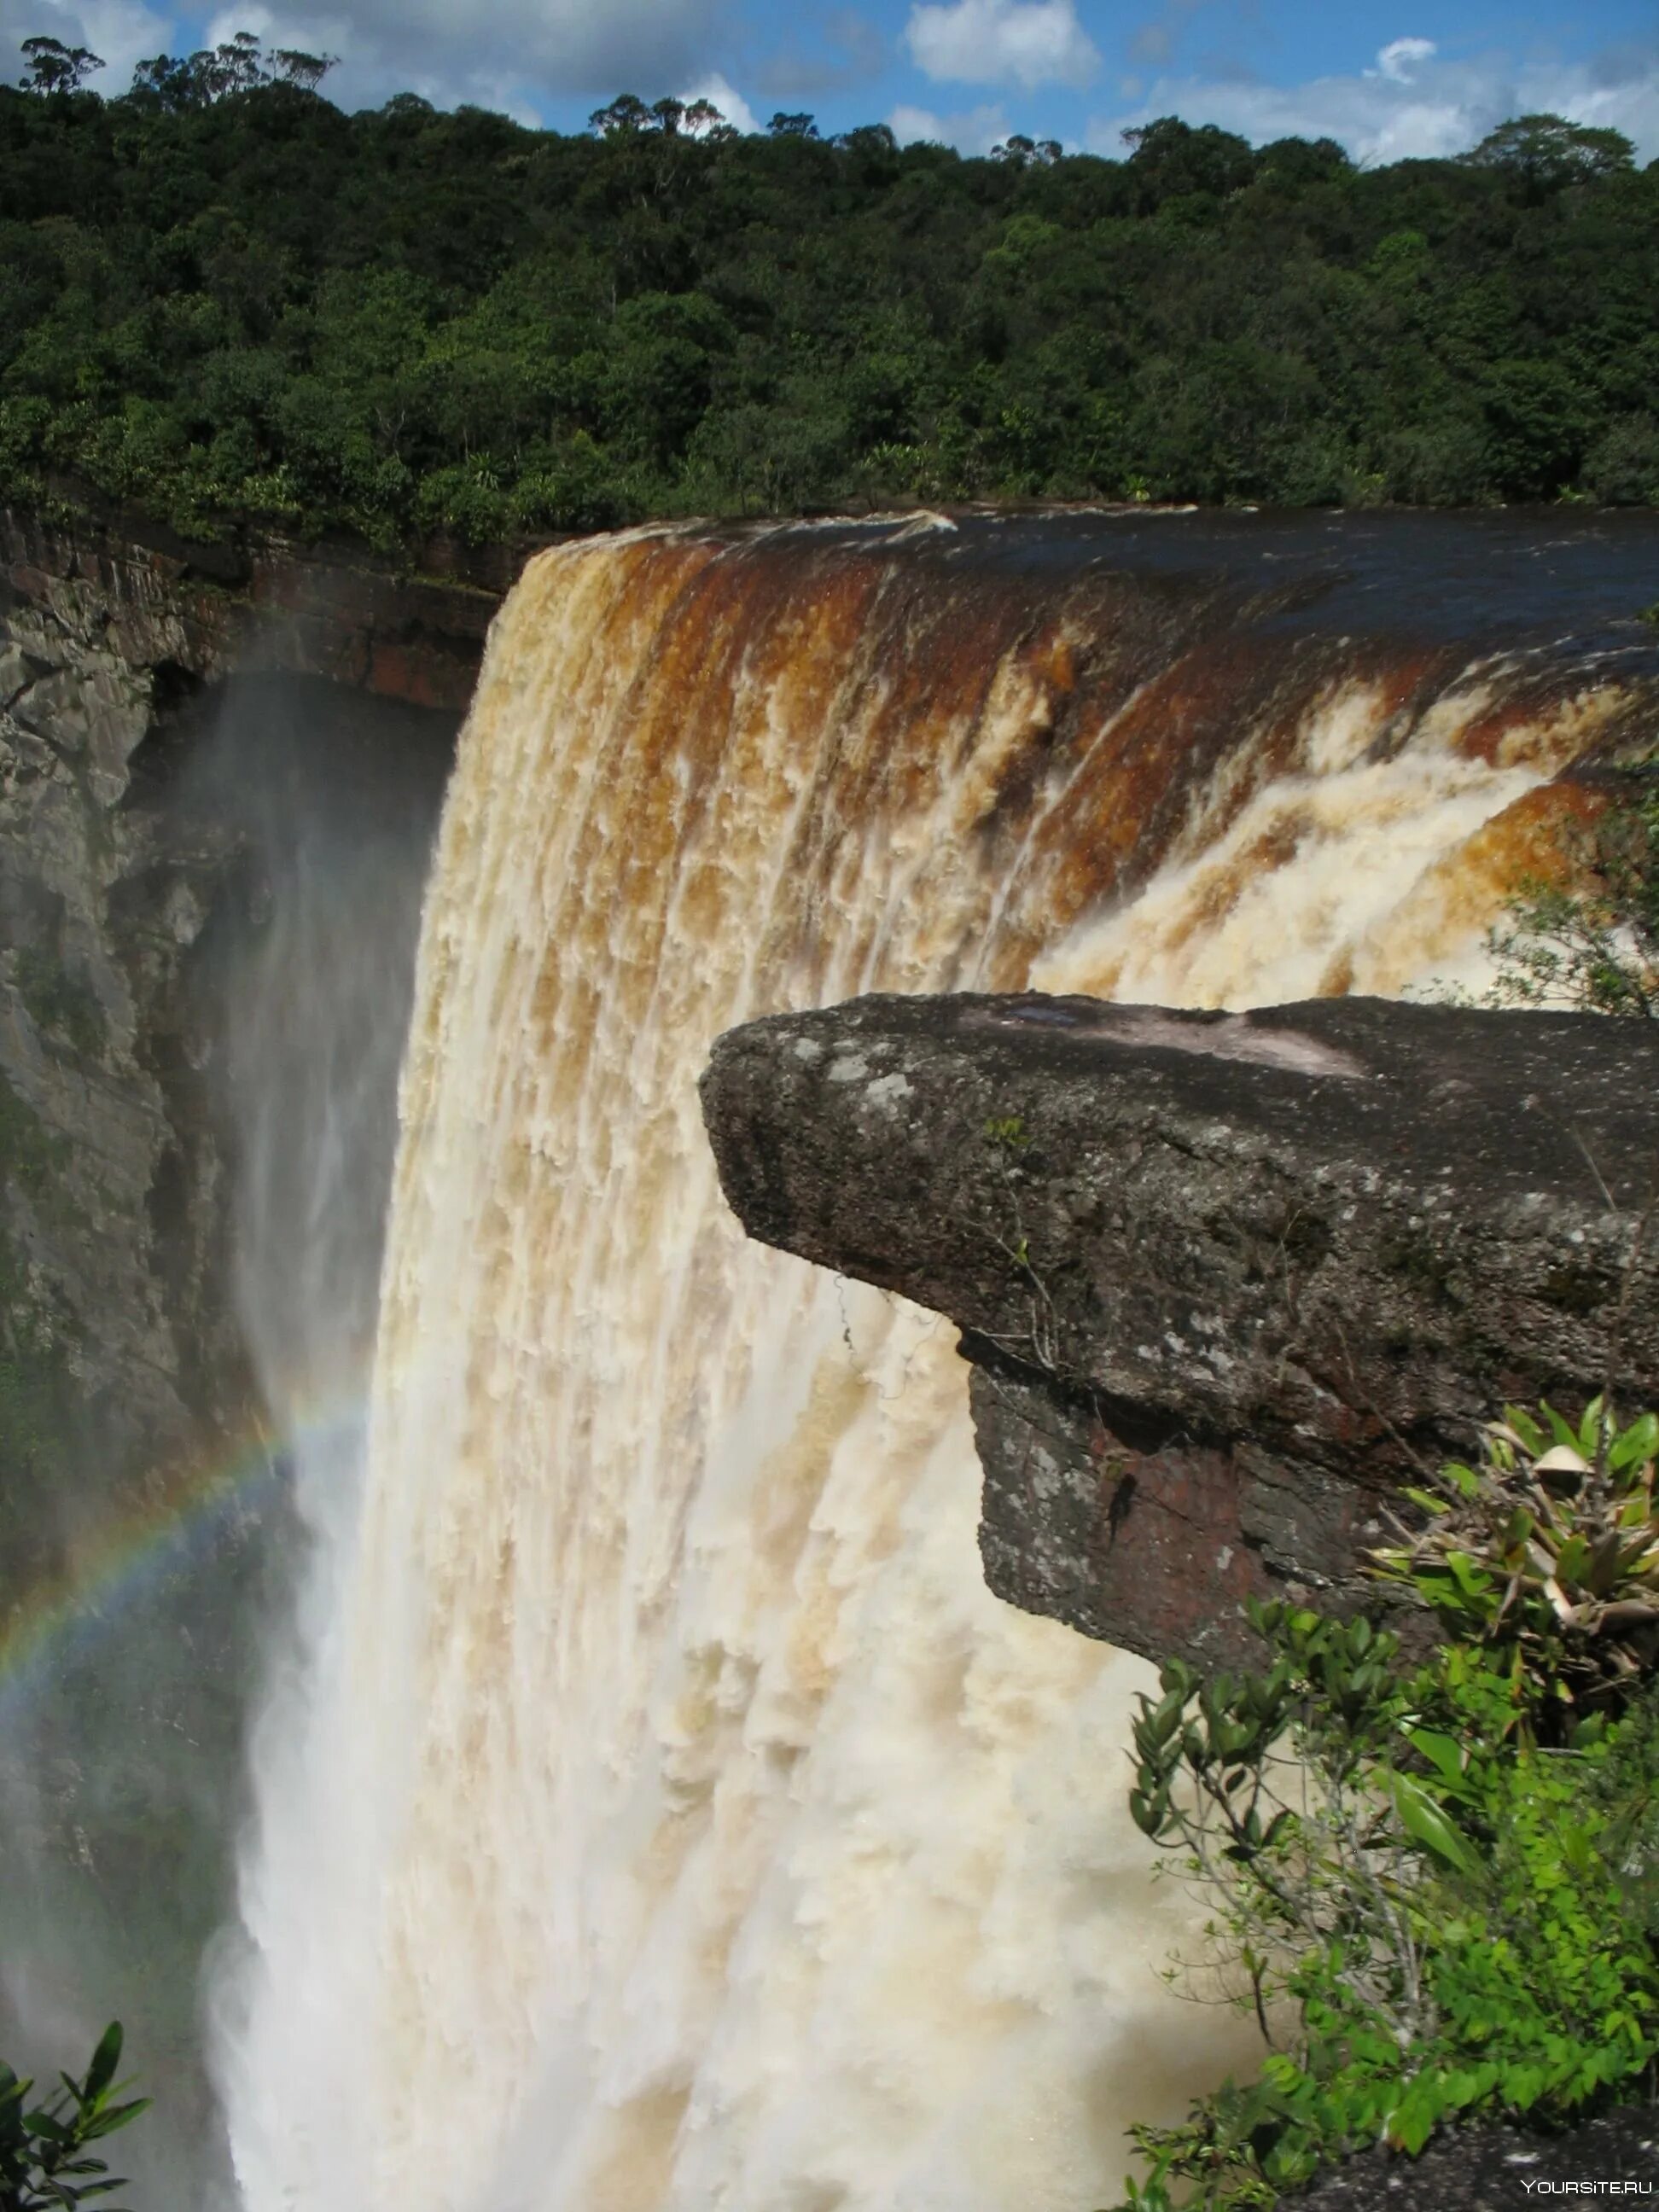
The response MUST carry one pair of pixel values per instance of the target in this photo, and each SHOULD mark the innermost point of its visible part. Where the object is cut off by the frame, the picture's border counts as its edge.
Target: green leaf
(1525, 1427)
(1558, 1428)
(116, 2116)
(104, 2060)
(1589, 1429)
(1442, 1751)
(1426, 1820)
(1471, 1580)
(1572, 1560)
(1410, 2129)
(1640, 1441)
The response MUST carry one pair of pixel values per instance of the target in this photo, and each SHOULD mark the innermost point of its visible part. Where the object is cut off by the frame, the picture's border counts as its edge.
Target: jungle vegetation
(1434, 1885)
(224, 299)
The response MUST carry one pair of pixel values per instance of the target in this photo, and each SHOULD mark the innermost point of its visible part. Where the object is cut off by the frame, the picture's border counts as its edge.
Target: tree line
(224, 299)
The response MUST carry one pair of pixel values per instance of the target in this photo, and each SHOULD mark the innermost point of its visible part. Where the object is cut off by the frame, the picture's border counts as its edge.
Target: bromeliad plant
(1548, 1550)
(44, 2166)
(1437, 1887)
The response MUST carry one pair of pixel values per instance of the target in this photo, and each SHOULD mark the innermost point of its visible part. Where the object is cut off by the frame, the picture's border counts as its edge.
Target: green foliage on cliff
(1592, 944)
(223, 298)
(34, 1392)
(59, 1002)
(1436, 1887)
(31, 1156)
(1548, 1551)
(46, 2161)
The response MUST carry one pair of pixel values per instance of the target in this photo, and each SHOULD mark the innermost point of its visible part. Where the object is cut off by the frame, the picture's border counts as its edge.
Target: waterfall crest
(679, 1824)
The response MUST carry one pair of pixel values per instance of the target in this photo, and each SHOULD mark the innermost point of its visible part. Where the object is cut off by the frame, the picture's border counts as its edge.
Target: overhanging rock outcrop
(1225, 1280)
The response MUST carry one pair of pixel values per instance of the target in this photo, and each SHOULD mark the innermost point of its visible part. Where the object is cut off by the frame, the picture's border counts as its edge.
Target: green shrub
(1549, 1547)
(44, 2160)
(1436, 1887)
(1594, 949)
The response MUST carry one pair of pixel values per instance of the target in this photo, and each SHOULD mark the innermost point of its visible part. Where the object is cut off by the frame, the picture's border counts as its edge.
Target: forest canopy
(222, 299)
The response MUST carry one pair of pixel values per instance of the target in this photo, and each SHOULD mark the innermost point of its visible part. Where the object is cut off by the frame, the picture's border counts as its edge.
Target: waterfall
(674, 1821)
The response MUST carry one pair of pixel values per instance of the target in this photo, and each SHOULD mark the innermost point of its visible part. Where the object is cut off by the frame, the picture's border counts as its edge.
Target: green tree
(1541, 154)
(224, 300)
(54, 67)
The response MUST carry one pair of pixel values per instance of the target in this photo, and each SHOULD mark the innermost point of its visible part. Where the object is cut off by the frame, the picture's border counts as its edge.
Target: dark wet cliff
(220, 770)
(118, 859)
(1224, 1279)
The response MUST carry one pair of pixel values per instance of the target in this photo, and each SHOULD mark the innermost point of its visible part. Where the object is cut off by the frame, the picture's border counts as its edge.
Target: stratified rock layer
(1225, 1280)
(151, 602)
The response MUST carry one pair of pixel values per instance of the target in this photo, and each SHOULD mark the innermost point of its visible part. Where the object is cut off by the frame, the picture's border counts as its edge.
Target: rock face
(1602, 2164)
(185, 614)
(116, 865)
(1225, 1280)
(179, 729)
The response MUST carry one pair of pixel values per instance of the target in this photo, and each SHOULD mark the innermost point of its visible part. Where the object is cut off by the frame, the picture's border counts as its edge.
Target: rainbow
(185, 1511)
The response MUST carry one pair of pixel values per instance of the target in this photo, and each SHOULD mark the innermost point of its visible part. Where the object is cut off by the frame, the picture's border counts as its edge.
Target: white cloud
(1027, 42)
(124, 32)
(1397, 58)
(719, 94)
(227, 25)
(975, 132)
(1414, 102)
(498, 53)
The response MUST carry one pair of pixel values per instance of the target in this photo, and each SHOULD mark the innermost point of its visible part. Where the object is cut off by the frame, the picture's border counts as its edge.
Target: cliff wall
(119, 1350)
(219, 771)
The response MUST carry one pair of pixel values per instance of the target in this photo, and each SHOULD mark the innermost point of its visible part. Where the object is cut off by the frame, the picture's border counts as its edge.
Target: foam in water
(674, 1821)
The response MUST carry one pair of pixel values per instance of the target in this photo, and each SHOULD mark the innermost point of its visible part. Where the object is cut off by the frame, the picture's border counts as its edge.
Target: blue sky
(1388, 77)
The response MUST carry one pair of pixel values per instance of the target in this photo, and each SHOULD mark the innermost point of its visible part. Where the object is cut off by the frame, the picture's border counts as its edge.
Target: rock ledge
(1224, 1279)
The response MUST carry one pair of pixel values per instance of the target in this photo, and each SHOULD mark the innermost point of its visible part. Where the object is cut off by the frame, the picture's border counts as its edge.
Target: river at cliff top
(1498, 575)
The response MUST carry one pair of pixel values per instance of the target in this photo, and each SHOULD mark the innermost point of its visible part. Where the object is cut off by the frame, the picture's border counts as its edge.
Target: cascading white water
(676, 1824)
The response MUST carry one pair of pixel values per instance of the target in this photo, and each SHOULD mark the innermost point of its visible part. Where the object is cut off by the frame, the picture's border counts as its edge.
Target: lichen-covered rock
(1225, 1279)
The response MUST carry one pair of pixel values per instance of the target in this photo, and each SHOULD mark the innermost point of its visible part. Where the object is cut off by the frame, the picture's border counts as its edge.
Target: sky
(1389, 78)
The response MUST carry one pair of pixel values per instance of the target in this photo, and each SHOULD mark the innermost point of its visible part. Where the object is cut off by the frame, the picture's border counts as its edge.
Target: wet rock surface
(174, 614)
(121, 860)
(174, 726)
(1611, 2161)
(1225, 1280)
